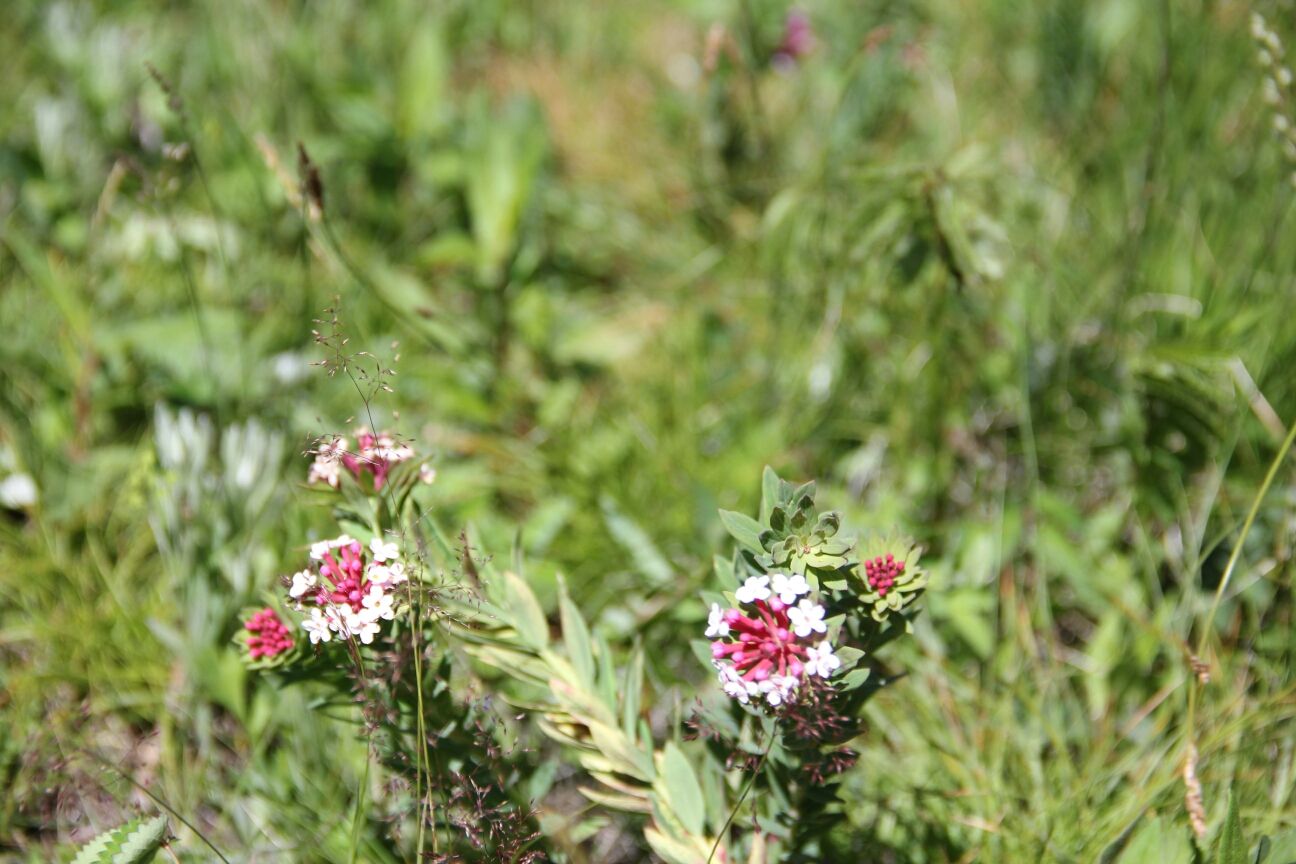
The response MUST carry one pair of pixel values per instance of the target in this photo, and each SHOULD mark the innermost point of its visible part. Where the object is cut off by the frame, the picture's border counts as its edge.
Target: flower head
(888, 577)
(374, 456)
(789, 586)
(806, 618)
(821, 661)
(348, 588)
(267, 635)
(755, 588)
(716, 624)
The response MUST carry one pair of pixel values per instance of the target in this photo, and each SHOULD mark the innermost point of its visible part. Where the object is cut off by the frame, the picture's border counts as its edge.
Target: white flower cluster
(1277, 86)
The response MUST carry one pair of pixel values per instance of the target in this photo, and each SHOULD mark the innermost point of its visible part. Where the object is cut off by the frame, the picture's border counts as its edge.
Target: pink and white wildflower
(763, 651)
(348, 590)
(374, 456)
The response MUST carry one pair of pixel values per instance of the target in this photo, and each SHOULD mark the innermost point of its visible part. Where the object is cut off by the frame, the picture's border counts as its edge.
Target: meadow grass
(1016, 278)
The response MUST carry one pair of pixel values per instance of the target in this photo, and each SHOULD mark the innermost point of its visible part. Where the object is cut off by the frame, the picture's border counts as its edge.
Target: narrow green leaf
(576, 637)
(525, 613)
(1232, 845)
(682, 788)
(607, 676)
(769, 493)
(647, 558)
(632, 691)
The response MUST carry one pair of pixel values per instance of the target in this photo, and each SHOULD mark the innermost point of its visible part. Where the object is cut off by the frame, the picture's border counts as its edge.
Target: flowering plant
(791, 636)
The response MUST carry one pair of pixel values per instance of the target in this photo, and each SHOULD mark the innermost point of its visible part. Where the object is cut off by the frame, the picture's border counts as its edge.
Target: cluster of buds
(1277, 86)
(375, 456)
(267, 635)
(348, 590)
(881, 573)
(770, 647)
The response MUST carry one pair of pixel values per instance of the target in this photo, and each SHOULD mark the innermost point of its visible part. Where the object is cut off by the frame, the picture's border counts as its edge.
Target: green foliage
(1011, 278)
(136, 842)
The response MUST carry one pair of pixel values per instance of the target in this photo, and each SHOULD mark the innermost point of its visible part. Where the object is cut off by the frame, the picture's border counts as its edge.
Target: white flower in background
(806, 618)
(302, 583)
(789, 586)
(383, 551)
(379, 603)
(427, 474)
(318, 626)
(716, 624)
(755, 588)
(821, 661)
(18, 491)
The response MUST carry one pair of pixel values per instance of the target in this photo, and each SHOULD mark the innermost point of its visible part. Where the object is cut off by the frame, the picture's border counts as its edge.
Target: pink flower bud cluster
(882, 573)
(347, 590)
(269, 637)
(768, 649)
(375, 456)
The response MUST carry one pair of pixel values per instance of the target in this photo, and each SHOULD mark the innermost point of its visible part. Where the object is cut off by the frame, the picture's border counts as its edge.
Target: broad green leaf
(135, 842)
(1159, 841)
(100, 848)
(1282, 848)
(682, 788)
(141, 845)
(742, 528)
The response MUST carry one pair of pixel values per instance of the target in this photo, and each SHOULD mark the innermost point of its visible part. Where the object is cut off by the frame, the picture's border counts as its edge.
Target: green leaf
(744, 529)
(100, 848)
(133, 843)
(671, 850)
(683, 791)
(525, 614)
(632, 691)
(1159, 841)
(1282, 849)
(769, 493)
(139, 846)
(848, 657)
(576, 637)
(647, 558)
(1232, 845)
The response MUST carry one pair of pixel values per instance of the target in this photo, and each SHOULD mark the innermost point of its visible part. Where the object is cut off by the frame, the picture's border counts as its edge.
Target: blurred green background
(1017, 278)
